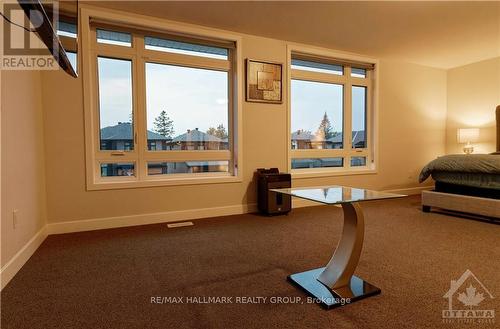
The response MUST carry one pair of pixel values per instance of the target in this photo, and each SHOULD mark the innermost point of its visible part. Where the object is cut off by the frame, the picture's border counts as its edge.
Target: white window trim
(88, 66)
(372, 119)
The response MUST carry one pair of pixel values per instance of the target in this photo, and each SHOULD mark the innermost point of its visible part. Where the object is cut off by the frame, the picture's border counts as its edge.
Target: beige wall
(473, 94)
(412, 131)
(23, 176)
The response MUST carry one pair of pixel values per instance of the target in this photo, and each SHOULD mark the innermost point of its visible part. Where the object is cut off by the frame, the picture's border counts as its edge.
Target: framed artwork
(264, 82)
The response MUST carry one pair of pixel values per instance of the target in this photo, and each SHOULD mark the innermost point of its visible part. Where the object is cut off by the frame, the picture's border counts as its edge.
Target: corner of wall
(473, 92)
(23, 170)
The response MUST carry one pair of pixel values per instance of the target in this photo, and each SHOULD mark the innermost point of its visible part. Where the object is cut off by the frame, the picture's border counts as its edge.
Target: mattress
(475, 170)
(480, 180)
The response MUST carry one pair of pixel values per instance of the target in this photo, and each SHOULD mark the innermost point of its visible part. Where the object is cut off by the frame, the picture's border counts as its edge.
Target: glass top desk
(335, 284)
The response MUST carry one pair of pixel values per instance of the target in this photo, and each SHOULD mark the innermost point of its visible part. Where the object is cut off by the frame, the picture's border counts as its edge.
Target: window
(187, 167)
(317, 163)
(358, 161)
(115, 103)
(317, 114)
(114, 38)
(117, 169)
(73, 59)
(315, 66)
(329, 114)
(163, 110)
(204, 126)
(358, 121)
(66, 30)
(358, 73)
(185, 48)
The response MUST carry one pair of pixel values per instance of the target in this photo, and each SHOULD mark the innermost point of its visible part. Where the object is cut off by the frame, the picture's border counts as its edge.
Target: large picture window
(330, 102)
(317, 115)
(164, 107)
(188, 107)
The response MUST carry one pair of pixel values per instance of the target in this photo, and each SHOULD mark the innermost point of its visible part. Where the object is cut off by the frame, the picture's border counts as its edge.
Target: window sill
(176, 181)
(314, 173)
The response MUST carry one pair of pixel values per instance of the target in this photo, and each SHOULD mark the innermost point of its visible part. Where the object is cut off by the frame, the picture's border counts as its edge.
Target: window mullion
(318, 153)
(187, 155)
(232, 117)
(140, 106)
(347, 142)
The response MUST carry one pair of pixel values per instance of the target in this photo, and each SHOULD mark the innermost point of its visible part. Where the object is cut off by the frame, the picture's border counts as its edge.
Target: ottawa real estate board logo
(467, 298)
(22, 48)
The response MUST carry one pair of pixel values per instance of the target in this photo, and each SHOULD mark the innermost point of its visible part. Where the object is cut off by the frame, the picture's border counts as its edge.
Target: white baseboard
(143, 219)
(180, 215)
(21, 257)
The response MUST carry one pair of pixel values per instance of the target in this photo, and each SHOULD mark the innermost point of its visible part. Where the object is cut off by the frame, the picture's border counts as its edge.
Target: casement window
(331, 115)
(163, 109)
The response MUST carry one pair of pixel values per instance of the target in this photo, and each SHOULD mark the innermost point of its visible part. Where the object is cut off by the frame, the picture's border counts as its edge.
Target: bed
(469, 184)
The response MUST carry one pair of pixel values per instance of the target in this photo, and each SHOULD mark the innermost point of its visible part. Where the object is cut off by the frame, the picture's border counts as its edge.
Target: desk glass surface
(336, 194)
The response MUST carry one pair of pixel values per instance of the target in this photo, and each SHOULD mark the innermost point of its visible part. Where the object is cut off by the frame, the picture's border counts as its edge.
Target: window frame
(92, 18)
(371, 117)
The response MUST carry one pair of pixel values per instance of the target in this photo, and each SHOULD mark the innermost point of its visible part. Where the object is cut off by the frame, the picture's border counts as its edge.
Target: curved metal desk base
(332, 285)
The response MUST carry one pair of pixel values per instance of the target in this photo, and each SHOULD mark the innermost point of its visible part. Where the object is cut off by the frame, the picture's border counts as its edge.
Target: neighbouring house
(187, 167)
(358, 140)
(317, 163)
(192, 140)
(198, 140)
(120, 137)
(301, 139)
(335, 142)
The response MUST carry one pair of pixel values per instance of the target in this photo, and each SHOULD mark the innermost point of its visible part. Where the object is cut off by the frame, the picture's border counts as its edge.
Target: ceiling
(438, 34)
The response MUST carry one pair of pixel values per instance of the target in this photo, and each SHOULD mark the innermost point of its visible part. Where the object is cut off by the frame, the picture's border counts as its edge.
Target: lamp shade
(465, 135)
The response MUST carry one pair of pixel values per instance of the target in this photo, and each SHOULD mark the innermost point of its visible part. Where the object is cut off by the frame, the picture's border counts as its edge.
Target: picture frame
(264, 81)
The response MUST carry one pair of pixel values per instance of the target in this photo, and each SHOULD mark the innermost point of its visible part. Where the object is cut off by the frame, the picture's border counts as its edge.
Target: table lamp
(466, 136)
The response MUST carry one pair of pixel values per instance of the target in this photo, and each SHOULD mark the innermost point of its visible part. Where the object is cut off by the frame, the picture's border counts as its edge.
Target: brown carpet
(105, 279)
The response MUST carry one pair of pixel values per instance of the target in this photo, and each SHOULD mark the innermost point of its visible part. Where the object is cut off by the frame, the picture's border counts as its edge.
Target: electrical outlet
(15, 214)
